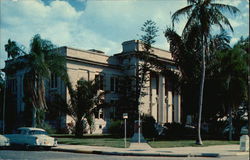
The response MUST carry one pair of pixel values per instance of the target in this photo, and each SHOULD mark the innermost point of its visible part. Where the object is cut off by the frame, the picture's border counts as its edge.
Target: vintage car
(32, 137)
(4, 141)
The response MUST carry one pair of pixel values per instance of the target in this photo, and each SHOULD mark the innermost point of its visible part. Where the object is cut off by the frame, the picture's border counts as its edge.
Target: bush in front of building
(178, 131)
(47, 128)
(116, 128)
(148, 127)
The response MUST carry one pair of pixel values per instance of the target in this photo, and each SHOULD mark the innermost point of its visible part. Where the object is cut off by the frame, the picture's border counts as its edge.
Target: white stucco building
(160, 101)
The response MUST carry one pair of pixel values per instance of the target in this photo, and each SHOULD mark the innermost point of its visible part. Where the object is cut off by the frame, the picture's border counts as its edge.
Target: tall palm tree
(39, 64)
(204, 13)
(42, 61)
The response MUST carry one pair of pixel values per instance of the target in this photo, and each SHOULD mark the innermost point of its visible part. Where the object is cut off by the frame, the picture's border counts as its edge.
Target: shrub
(47, 128)
(148, 127)
(116, 128)
(177, 130)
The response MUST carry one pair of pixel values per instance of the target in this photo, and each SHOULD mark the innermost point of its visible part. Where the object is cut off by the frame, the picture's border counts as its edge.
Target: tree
(213, 99)
(150, 30)
(231, 72)
(13, 49)
(184, 50)
(85, 99)
(148, 39)
(205, 14)
(42, 61)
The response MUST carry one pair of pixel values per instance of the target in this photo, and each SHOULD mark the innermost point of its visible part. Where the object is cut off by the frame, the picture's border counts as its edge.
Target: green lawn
(109, 141)
(92, 140)
(186, 143)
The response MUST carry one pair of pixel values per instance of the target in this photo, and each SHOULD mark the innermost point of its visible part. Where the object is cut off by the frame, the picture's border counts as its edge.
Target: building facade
(160, 101)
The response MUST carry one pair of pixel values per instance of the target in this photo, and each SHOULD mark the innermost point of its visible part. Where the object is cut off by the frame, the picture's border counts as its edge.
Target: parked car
(4, 141)
(32, 137)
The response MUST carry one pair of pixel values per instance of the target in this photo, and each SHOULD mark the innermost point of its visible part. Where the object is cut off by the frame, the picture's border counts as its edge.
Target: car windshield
(21, 131)
(37, 132)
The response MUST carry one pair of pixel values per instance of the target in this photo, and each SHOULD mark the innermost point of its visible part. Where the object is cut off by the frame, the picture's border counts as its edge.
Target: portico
(165, 102)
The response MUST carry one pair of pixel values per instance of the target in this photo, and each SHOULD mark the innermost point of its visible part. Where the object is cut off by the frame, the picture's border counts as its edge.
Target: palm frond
(176, 43)
(217, 17)
(181, 12)
(191, 21)
(228, 8)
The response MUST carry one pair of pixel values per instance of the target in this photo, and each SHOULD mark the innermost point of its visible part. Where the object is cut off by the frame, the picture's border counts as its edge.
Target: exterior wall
(97, 64)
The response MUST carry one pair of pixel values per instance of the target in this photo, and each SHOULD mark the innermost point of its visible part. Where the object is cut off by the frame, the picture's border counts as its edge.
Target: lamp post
(125, 116)
(139, 126)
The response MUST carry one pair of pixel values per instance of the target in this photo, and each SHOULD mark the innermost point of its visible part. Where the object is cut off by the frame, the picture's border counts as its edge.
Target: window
(99, 114)
(114, 84)
(112, 113)
(12, 85)
(53, 81)
(100, 80)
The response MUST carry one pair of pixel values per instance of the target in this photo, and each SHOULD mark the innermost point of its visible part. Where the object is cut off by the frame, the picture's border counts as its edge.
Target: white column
(170, 107)
(154, 99)
(177, 108)
(161, 99)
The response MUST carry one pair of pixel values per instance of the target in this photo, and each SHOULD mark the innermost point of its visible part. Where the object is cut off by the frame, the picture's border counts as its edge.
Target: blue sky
(98, 24)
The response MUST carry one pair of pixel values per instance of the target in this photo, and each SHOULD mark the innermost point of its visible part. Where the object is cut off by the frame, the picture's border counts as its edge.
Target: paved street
(49, 155)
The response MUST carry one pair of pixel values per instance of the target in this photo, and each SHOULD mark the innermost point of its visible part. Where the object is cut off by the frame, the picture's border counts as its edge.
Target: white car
(32, 137)
(4, 141)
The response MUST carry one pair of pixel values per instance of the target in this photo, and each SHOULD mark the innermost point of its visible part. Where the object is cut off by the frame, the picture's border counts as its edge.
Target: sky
(97, 24)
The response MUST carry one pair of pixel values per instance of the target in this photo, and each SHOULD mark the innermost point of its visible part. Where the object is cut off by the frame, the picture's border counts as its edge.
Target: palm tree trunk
(34, 117)
(79, 128)
(199, 141)
(230, 136)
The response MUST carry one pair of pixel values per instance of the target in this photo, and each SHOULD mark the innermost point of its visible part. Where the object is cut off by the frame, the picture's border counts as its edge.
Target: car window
(22, 131)
(37, 132)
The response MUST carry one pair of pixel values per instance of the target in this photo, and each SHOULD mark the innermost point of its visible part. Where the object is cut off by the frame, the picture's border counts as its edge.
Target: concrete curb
(136, 154)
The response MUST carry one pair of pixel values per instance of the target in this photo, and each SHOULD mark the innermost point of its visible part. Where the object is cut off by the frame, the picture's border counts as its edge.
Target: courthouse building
(160, 101)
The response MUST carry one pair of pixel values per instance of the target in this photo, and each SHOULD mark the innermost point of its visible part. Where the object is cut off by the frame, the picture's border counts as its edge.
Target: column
(161, 99)
(177, 108)
(170, 107)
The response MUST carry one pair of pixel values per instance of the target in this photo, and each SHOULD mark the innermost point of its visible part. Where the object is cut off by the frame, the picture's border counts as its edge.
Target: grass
(109, 141)
(188, 143)
(92, 140)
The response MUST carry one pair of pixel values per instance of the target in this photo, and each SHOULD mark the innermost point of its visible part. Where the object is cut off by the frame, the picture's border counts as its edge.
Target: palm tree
(205, 14)
(85, 99)
(42, 61)
(13, 50)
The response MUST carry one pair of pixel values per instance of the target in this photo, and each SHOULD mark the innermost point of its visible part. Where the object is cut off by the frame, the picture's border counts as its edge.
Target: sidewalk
(143, 149)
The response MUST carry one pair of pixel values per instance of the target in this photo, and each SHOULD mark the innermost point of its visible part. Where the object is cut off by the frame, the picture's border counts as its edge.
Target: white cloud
(236, 22)
(234, 40)
(231, 2)
(103, 25)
